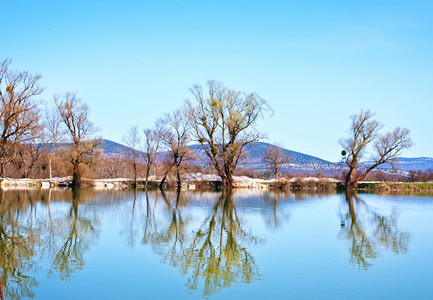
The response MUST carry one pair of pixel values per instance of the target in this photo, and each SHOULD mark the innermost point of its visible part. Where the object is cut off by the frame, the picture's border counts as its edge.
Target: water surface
(88, 244)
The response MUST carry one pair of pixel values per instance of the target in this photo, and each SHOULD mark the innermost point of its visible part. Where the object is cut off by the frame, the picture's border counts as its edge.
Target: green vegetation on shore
(397, 186)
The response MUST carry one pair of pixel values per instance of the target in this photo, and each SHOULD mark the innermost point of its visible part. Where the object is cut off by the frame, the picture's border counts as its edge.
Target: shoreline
(295, 184)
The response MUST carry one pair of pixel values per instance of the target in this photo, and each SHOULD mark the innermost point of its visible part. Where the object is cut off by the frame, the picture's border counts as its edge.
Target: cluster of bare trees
(218, 118)
(29, 137)
(35, 143)
(420, 176)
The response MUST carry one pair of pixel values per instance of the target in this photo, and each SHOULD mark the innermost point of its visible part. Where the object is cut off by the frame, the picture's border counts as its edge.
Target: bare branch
(220, 123)
(363, 132)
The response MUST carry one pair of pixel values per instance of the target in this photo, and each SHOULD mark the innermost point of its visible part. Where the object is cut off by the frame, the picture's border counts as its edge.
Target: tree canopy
(221, 119)
(363, 132)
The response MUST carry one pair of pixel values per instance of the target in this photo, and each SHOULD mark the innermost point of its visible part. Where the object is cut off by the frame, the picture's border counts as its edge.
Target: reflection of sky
(305, 257)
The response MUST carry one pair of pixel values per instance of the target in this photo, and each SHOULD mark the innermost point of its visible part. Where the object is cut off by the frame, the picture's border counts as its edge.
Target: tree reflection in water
(379, 231)
(211, 249)
(214, 255)
(76, 235)
(18, 238)
(130, 231)
(274, 216)
(29, 234)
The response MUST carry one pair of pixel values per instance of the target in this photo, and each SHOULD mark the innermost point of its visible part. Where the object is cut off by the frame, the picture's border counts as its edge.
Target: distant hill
(110, 148)
(299, 162)
(415, 163)
(304, 163)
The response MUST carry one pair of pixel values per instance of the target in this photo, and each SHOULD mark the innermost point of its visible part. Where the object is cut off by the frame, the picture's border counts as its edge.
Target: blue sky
(314, 62)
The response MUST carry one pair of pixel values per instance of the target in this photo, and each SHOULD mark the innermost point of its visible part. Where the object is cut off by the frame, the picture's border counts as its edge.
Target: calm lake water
(246, 245)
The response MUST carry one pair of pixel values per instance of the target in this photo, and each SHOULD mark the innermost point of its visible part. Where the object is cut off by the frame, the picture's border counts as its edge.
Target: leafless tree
(133, 140)
(151, 146)
(54, 133)
(221, 122)
(176, 136)
(112, 167)
(74, 114)
(275, 157)
(29, 156)
(19, 115)
(150, 149)
(364, 131)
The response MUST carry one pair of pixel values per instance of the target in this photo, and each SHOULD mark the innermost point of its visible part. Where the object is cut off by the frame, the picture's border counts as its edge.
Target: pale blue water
(249, 245)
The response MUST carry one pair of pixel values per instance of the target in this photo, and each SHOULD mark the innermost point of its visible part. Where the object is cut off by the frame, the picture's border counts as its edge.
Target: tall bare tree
(364, 131)
(133, 141)
(275, 157)
(83, 150)
(54, 133)
(176, 136)
(19, 115)
(150, 148)
(221, 121)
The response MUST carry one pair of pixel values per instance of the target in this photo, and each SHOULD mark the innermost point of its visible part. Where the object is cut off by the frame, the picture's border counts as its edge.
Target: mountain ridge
(299, 162)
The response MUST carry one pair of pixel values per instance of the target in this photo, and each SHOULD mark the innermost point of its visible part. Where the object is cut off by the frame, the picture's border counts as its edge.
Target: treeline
(40, 139)
(30, 129)
(55, 138)
(218, 118)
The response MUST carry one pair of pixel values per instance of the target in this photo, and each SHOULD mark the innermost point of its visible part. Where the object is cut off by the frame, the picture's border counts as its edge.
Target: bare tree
(54, 133)
(113, 167)
(221, 122)
(133, 141)
(176, 136)
(19, 115)
(74, 114)
(275, 157)
(364, 131)
(150, 148)
(29, 156)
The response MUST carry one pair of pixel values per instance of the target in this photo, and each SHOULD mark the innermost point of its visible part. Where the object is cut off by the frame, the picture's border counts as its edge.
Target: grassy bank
(324, 185)
(302, 185)
(397, 186)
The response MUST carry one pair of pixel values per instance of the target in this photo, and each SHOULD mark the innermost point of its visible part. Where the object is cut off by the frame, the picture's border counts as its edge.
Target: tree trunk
(350, 183)
(135, 174)
(229, 176)
(49, 166)
(76, 178)
(161, 184)
(147, 177)
(179, 182)
(229, 183)
(3, 170)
